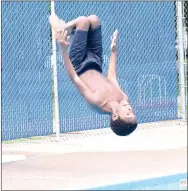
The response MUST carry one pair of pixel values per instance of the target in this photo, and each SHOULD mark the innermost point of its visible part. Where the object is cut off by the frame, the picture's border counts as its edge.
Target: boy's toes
(56, 23)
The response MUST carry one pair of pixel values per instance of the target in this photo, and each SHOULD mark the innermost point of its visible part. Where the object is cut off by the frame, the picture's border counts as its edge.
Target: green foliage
(49, 11)
(186, 14)
(186, 20)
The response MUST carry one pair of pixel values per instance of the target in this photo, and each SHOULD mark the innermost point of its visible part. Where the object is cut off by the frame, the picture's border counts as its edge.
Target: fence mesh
(186, 45)
(146, 65)
(186, 14)
(186, 27)
(26, 72)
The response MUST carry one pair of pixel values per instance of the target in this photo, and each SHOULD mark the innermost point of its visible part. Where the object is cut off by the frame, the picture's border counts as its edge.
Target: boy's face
(125, 111)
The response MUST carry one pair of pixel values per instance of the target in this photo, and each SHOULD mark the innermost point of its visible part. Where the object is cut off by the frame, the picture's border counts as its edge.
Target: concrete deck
(91, 161)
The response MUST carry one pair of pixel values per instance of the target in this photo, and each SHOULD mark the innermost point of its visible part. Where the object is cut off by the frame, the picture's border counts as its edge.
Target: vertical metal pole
(0, 69)
(185, 52)
(55, 85)
(181, 58)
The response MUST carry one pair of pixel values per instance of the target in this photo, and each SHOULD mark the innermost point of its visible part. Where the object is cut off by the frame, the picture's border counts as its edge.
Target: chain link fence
(186, 34)
(146, 65)
(26, 71)
(182, 44)
(186, 19)
(186, 44)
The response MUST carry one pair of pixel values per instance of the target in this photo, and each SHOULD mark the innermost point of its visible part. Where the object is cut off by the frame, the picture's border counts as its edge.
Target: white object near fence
(0, 41)
(56, 124)
(181, 59)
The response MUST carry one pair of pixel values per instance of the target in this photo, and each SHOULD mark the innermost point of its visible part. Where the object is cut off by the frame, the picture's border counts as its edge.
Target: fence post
(55, 84)
(185, 30)
(0, 67)
(181, 59)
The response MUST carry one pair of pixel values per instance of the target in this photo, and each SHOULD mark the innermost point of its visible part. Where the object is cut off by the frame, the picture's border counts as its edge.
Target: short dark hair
(123, 128)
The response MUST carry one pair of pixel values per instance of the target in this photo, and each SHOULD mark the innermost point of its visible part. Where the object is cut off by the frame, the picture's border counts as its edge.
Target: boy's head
(123, 120)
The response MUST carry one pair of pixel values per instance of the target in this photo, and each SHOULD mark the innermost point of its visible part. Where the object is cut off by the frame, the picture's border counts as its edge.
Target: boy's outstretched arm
(111, 75)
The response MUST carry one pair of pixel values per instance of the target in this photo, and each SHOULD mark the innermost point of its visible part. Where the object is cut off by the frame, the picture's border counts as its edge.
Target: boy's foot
(58, 25)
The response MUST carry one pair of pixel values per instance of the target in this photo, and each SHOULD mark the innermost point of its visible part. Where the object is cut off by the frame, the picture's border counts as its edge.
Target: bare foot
(58, 25)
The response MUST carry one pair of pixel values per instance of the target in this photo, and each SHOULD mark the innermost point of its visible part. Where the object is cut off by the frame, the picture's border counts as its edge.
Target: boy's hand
(114, 39)
(63, 39)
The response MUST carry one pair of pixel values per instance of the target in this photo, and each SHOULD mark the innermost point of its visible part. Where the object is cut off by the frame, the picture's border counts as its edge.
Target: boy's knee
(83, 23)
(94, 20)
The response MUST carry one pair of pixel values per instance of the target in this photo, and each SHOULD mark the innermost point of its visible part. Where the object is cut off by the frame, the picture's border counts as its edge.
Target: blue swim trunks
(86, 50)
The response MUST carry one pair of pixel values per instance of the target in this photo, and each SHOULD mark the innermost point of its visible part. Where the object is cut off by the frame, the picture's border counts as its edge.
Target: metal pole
(181, 58)
(0, 67)
(185, 52)
(55, 85)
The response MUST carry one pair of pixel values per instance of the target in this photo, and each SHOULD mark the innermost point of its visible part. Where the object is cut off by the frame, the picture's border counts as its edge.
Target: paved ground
(90, 161)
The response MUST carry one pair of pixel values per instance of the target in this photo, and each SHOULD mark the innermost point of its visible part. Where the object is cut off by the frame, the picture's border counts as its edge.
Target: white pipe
(185, 52)
(181, 58)
(0, 69)
(55, 86)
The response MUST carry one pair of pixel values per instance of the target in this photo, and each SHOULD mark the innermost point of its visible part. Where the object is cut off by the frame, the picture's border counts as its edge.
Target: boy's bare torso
(97, 89)
(101, 88)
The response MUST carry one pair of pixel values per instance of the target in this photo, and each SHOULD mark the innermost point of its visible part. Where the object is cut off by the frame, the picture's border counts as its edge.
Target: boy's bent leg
(78, 45)
(59, 25)
(94, 21)
(95, 36)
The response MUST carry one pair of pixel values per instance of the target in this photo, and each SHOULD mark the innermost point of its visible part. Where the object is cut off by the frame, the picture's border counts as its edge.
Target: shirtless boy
(84, 67)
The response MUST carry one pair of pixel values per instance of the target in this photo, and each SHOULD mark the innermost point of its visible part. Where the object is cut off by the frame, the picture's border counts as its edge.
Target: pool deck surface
(96, 160)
